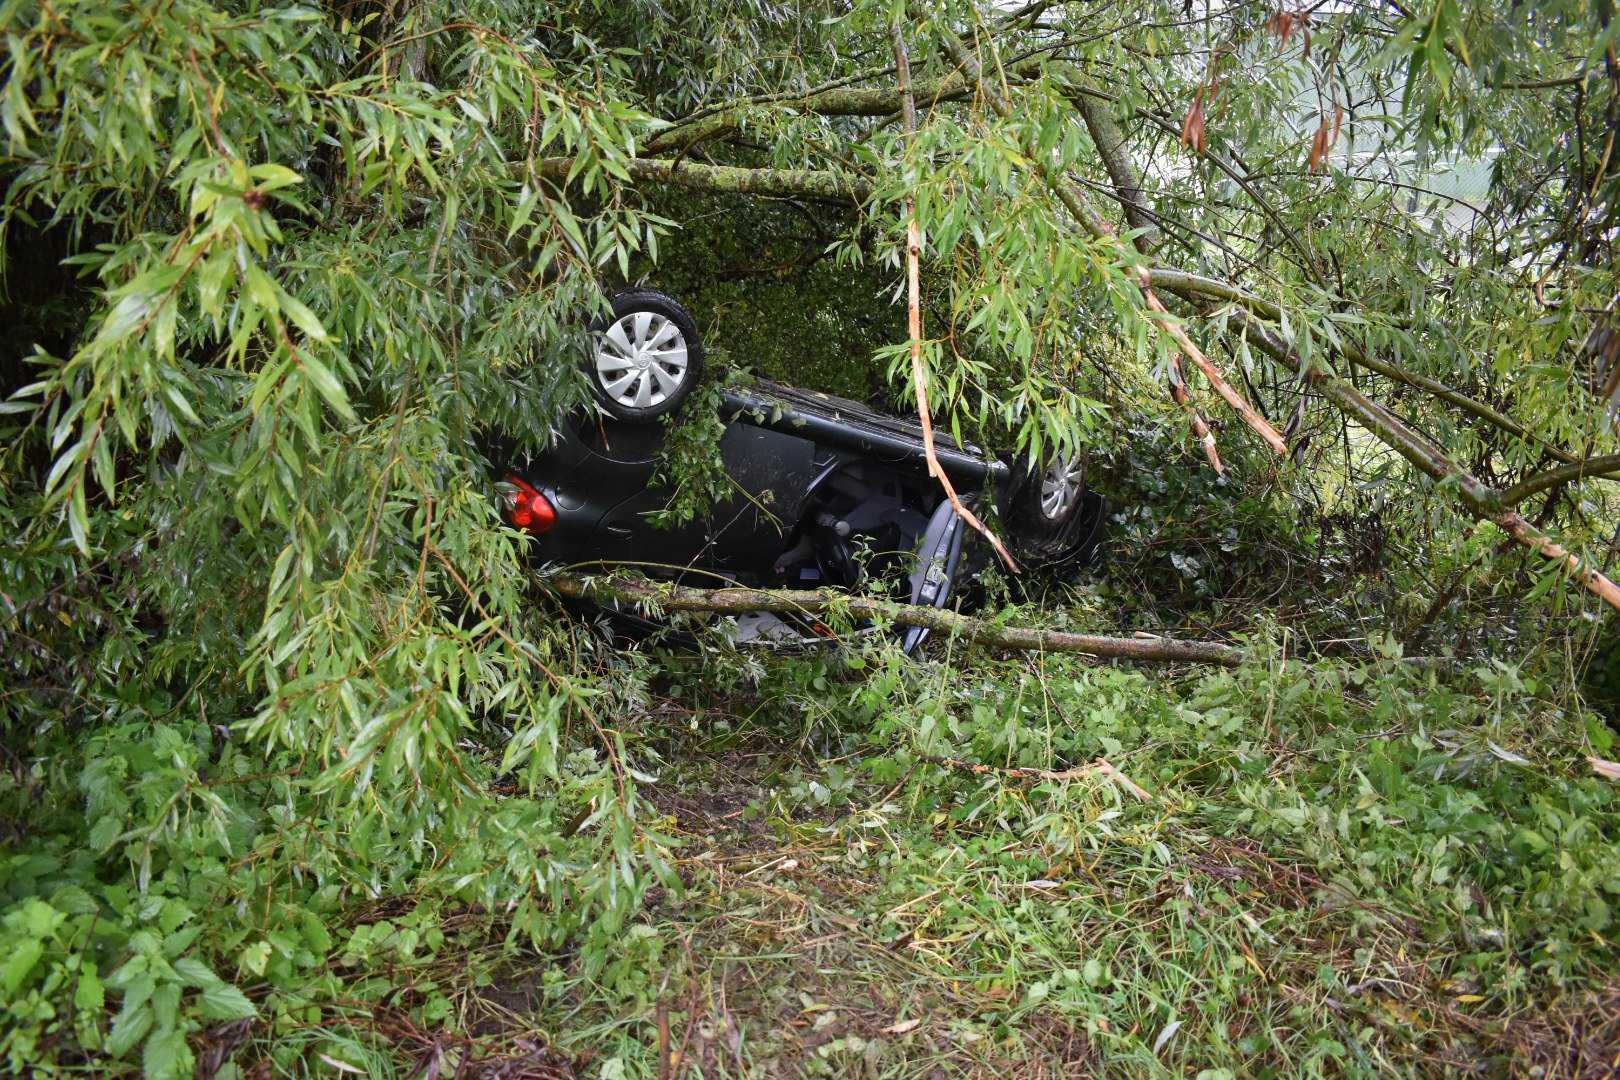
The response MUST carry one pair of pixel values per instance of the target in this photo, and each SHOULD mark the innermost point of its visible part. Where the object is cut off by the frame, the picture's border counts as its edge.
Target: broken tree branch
(1075, 201)
(919, 371)
(1198, 289)
(1211, 372)
(738, 601)
(1482, 501)
(1206, 437)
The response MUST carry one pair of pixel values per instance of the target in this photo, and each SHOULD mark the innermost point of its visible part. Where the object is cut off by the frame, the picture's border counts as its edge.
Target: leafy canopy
(271, 653)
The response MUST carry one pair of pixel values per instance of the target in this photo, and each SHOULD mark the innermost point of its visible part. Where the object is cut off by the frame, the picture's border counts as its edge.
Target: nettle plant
(268, 644)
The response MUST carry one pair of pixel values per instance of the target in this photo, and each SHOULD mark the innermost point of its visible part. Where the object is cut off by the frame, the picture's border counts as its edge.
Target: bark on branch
(665, 597)
(1109, 139)
(1481, 500)
(1598, 468)
(834, 101)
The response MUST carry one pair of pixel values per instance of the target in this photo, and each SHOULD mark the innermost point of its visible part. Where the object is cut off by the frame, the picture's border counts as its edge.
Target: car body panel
(826, 491)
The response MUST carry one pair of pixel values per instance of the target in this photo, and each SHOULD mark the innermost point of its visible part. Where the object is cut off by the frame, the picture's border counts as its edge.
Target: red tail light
(527, 509)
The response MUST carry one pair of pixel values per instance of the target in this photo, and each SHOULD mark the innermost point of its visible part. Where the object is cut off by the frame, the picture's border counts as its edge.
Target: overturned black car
(828, 492)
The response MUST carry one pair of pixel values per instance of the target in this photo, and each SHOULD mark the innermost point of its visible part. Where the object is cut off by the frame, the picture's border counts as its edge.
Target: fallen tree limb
(1093, 106)
(666, 597)
(1482, 501)
(1206, 437)
(1179, 337)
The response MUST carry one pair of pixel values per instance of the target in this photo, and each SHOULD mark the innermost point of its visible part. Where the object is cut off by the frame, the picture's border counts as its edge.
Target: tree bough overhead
(283, 282)
(1048, 121)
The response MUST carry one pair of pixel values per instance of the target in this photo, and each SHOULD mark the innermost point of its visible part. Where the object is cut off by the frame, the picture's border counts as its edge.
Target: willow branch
(1206, 437)
(1481, 500)
(1080, 207)
(1212, 373)
(665, 597)
(829, 101)
(1109, 139)
(1598, 468)
(919, 371)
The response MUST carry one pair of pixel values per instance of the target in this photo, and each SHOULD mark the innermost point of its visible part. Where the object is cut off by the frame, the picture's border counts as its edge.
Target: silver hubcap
(1060, 487)
(641, 360)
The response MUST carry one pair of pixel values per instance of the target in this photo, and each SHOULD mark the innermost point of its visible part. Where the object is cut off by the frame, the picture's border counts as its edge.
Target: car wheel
(1050, 496)
(647, 357)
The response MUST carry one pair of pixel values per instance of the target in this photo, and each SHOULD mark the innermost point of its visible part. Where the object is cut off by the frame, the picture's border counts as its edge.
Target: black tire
(647, 358)
(1049, 497)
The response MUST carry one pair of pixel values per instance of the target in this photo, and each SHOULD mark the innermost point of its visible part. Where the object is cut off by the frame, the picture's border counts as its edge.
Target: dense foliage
(301, 759)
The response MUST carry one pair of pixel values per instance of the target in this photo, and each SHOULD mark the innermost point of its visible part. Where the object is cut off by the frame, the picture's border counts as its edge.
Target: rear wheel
(1050, 496)
(647, 357)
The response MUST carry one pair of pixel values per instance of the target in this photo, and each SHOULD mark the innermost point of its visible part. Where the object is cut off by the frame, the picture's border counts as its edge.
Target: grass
(1339, 870)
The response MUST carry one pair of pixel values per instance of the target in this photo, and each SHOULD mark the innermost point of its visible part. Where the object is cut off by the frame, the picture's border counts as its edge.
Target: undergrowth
(1339, 868)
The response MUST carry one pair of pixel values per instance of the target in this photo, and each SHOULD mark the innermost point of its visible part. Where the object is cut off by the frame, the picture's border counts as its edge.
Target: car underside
(826, 492)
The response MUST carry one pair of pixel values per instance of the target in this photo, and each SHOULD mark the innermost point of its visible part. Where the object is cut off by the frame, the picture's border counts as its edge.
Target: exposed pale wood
(1533, 538)
(1206, 437)
(1075, 201)
(1481, 500)
(1212, 373)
